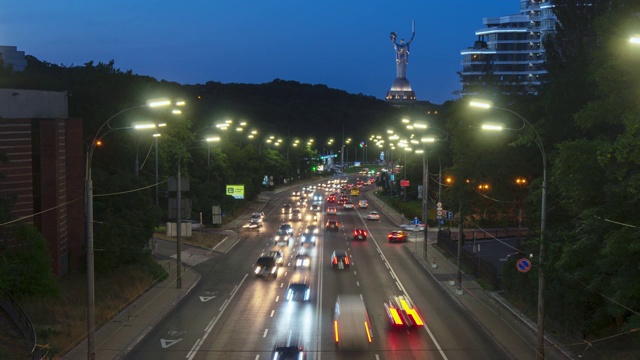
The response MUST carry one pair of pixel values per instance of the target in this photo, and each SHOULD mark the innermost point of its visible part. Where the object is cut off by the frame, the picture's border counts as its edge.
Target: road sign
(449, 215)
(416, 221)
(439, 205)
(523, 265)
(439, 212)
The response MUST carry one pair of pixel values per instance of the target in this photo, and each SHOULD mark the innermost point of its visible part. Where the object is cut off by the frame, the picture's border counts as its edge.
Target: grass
(61, 322)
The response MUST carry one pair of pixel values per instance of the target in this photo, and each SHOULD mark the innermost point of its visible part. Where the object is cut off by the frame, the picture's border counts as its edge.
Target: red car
(398, 236)
(359, 234)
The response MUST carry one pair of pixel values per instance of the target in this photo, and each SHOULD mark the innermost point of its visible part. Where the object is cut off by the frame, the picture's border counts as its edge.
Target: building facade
(13, 58)
(508, 55)
(43, 173)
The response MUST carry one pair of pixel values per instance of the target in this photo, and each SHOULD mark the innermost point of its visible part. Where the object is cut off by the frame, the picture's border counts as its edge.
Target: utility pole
(178, 232)
(460, 241)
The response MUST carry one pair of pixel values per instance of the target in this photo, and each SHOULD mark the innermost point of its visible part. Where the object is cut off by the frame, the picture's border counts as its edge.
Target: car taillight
(335, 330)
(335, 260)
(411, 312)
(364, 233)
(346, 260)
(397, 320)
(390, 236)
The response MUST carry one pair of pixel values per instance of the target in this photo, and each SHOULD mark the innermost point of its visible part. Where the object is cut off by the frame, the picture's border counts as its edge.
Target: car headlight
(258, 270)
(274, 269)
(277, 237)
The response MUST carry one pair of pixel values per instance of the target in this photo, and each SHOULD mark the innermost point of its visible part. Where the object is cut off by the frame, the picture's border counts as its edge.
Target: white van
(363, 204)
(351, 324)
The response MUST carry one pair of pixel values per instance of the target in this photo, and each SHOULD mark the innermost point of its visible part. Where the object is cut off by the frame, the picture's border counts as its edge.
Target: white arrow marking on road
(166, 343)
(206, 298)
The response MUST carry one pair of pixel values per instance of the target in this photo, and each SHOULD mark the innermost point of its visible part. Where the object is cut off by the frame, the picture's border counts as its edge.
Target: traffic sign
(449, 215)
(439, 205)
(523, 265)
(439, 212)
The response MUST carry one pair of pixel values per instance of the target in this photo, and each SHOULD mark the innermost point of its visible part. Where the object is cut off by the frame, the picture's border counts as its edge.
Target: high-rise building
(508, 56)
(13, 58)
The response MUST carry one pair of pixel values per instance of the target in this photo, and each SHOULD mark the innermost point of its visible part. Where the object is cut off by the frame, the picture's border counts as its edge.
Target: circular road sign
(523, 265)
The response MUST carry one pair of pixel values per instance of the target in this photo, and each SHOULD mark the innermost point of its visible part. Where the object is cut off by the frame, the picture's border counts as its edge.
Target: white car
(348, 205)
(413, 227)
(257, 217)
(373, 216)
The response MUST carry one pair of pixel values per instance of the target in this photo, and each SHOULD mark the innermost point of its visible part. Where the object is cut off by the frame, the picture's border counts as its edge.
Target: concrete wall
(33, 104)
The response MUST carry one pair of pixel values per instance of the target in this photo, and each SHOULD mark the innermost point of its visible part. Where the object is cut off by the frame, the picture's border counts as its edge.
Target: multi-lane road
(232, 314)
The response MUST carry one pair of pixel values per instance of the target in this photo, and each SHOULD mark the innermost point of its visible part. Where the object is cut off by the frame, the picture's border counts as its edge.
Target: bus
(355, 191)
(351, 324)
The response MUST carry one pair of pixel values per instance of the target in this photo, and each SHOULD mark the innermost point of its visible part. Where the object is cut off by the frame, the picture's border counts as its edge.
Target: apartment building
(508, 56)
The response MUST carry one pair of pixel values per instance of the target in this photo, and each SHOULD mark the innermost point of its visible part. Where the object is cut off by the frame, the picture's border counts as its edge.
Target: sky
(342, 44)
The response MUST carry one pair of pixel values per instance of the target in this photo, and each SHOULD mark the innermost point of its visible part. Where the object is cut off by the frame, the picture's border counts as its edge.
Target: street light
(91, 315)
(543, 219)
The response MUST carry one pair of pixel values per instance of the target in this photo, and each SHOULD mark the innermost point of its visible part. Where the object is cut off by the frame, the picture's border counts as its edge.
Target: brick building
(45, 170)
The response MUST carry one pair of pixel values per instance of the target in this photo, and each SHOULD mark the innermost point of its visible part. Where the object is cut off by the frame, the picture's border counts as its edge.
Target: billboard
(237, 191)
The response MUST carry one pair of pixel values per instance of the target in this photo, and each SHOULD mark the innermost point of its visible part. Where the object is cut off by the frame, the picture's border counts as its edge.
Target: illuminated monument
(401, 89)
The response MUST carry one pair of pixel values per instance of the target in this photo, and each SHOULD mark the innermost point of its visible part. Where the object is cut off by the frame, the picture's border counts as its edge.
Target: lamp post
(91, 315)
(543, 220)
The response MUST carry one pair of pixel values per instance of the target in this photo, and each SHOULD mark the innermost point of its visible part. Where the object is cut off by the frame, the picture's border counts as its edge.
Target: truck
(351, 324)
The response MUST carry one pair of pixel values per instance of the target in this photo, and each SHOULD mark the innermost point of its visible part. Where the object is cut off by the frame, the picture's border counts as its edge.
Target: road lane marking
(272, 312)
(265, 333)
(210, 325)
(196, 347)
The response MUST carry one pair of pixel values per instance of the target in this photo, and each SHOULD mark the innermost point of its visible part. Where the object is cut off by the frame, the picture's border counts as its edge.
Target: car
(286, 208)
(295, 193)
(315, 208)
(359, 234)
(267, 265)
(257, 216)
(332, 210)
(402, 313)
(311, 217)
(348, 205)
(298, 290)
(281, 238)
(302, 260)
(308, 238)
(398, 236)
(287, 228)
(253, 224)
(363, 204)
(331, 199)
(311, 229)
(373, 216)
(413, 227)
(333, 224)
(288, 352)
(340, 259)
(296, 215)
(317, 197)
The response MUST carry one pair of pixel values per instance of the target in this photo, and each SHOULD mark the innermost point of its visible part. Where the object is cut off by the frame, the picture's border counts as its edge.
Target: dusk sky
(342, 44)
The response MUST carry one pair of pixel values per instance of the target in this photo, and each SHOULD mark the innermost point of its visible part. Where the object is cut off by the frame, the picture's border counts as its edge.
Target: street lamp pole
(543, 226)
(156, 136)
(91, 313)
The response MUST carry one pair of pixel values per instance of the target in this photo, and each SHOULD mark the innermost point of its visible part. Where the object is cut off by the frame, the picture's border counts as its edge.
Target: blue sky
(342, 44)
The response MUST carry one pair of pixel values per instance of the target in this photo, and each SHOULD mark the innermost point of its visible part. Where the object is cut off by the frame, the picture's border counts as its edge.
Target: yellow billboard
(237, 191)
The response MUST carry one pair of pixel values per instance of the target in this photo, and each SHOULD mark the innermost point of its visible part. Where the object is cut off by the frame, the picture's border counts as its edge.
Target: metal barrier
(21, 319)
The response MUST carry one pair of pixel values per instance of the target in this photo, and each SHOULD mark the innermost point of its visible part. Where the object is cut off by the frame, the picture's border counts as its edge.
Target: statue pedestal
(400, 90)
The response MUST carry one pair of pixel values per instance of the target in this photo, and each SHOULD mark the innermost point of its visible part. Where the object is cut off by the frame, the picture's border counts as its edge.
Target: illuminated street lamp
(543, 219)
(635, 39)
(96, 141)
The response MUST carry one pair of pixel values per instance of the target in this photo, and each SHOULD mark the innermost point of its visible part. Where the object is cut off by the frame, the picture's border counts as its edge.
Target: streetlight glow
(492, 127)
(158, 103)
(213, 138)
(144, 126)
(428, 139)
(635, 39)
(482, 105)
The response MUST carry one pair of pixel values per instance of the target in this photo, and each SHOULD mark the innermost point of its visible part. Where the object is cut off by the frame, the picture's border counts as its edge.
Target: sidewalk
(503, 322)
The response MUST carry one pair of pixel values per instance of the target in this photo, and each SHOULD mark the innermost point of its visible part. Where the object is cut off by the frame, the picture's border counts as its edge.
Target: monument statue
(402, 53)
(401, 89)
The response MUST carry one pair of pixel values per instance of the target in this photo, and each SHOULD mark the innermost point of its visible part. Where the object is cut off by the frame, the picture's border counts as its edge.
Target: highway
(232, 314)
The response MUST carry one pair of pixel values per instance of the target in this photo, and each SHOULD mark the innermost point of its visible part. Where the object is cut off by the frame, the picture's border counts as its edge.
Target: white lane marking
(277, 298)
(195, 349)
(391, 273)
(399, 284)
(357, 283)
(272, 312)
(223, 304)
(257, 356)
(377, 357)
(166, 343)
(210, 325)
(197, 344)
(265, 333)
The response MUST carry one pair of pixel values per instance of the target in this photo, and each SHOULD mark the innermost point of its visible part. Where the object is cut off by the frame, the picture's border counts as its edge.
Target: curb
(158, 318)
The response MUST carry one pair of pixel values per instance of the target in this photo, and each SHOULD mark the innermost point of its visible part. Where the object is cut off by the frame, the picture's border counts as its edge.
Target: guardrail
(22, 321)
